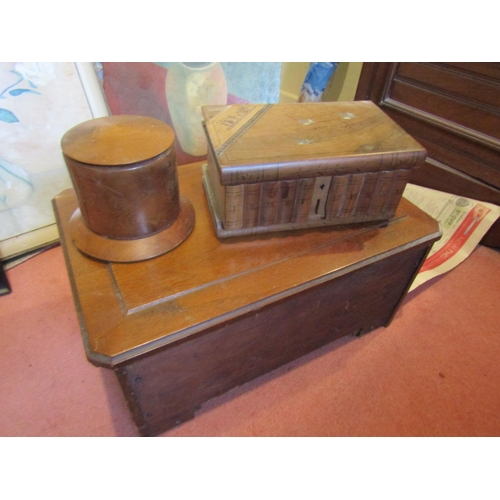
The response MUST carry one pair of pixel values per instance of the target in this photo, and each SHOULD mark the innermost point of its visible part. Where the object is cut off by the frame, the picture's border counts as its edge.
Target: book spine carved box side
(339, 199)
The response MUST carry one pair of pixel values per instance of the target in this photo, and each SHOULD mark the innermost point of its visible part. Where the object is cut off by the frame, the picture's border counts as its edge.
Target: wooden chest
(276, 167)
(212, 314)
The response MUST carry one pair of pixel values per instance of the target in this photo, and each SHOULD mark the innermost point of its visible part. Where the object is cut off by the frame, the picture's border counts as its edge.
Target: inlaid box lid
(268, 142)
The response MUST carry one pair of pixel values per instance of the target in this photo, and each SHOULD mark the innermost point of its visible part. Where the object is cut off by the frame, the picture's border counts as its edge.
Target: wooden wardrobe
(453, 110)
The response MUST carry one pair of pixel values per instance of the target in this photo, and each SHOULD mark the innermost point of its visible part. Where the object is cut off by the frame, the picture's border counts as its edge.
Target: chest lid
(268, 142)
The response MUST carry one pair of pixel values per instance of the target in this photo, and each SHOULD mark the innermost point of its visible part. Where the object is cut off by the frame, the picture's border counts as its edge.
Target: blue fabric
(316, 80)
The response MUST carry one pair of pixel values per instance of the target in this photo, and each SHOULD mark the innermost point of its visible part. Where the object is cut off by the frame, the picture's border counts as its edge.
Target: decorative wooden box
(124, 173)
(277, 167)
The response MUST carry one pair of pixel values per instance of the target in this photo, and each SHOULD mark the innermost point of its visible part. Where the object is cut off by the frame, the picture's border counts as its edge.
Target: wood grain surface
(318, 146)
(124, 173)
(166, 388)
(210, 315)
(127, 310)
(452, 109)
(117, 140)
(260, 143)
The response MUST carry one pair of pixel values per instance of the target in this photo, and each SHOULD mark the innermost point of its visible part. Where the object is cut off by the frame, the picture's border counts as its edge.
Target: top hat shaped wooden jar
(124, 173)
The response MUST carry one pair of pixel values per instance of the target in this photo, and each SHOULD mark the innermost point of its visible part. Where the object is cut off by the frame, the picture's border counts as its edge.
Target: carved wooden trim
(441, 123)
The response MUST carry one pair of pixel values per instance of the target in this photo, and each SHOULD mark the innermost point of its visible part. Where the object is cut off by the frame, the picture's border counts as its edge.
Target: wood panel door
(453, 110)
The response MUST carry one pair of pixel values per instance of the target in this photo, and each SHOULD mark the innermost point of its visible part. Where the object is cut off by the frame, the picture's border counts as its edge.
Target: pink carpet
(434, 372)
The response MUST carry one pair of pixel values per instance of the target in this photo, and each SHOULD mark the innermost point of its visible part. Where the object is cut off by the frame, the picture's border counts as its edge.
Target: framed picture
(39, 102)
(174, 92)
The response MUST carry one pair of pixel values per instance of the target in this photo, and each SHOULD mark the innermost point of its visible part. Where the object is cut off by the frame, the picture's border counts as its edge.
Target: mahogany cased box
(278, 167)
(211, 315)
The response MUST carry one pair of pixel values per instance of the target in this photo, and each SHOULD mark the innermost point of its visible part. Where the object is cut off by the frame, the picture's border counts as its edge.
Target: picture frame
(39, 102)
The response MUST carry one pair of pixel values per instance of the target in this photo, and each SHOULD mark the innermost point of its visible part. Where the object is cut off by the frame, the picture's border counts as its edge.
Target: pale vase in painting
(189, 86)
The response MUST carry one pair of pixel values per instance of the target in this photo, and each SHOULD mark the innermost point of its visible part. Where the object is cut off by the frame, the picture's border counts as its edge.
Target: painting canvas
(39, 102)
(174, 93)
